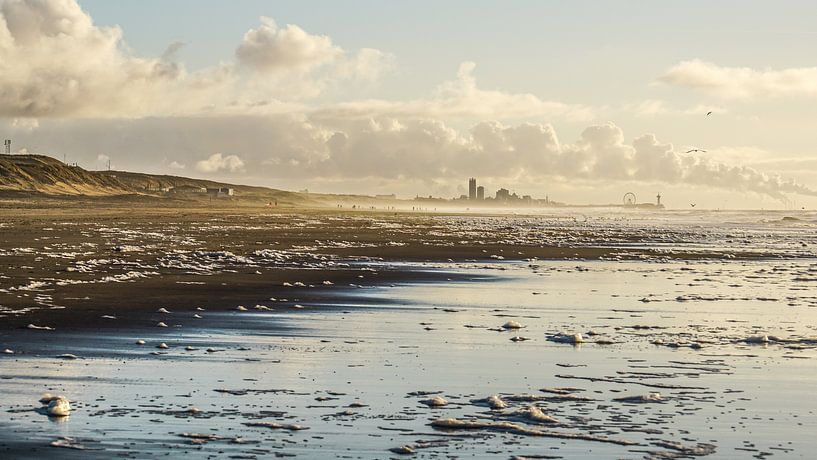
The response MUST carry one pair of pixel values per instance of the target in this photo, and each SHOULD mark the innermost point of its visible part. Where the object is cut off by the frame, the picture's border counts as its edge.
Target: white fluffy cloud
(217, 162)
(270, 48)
(266, 149)
(742, 82)
(56, 63)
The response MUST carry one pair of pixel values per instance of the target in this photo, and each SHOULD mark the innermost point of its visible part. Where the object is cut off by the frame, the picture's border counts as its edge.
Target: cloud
(25, 124)
(742, 82)
(462, 98)
(56, 63)
(268, 149)
(270, 48)
(291, 63)
(176, 165)
(368, 64)
(216, 162)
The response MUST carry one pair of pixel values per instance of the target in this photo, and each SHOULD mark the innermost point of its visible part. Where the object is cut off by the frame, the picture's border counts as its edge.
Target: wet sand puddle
(536, 359)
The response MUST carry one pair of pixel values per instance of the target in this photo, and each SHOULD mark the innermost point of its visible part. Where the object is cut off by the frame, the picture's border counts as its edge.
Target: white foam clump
(68, 443)
(263, 308)
(278, 426)
(196, 315)
(56, 406)
(163, 346)
(535, 414)
(241, 308)
(641, 399)
(161, 324)
(512, 325)
(8, 351)
(403, 450)
(437, 401)
(567, 338)
(328, 283)
(495, 402)
(40, 328)
(140, 342)
(162, 310)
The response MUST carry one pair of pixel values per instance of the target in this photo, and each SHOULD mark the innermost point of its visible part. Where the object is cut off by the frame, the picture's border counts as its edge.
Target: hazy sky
(582, 101)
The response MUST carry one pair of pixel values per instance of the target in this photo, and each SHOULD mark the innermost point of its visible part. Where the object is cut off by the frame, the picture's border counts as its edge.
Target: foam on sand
(642, 399)
(436, 401)
(534, 414)
(573, 339)
(56, 406)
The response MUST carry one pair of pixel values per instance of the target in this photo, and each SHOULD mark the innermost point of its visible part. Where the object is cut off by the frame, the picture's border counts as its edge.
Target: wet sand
(385, 337)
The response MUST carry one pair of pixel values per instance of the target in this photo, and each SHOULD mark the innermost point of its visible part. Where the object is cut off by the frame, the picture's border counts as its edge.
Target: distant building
(480, 193)
(188, 189)
(503, 194)
(387, 197)
(220, 191)
(472, 189)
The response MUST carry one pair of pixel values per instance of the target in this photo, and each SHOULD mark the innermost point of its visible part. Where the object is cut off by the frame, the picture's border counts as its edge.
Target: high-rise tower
(472, 189)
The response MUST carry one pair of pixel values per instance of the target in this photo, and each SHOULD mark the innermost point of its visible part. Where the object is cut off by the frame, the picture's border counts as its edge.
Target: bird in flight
(692, 204)
(696, 150)
(709, 113)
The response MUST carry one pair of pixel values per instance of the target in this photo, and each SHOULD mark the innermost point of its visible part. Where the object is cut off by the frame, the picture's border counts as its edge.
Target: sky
(579, 101)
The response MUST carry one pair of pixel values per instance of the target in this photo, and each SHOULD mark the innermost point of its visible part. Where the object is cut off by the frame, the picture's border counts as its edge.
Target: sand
(352, 320)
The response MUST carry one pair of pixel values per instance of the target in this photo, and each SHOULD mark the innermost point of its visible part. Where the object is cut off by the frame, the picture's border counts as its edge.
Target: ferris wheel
(629, 199)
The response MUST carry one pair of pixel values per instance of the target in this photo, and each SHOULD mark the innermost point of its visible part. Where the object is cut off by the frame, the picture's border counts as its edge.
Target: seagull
(692, 204)
(709, 113)
(696, 150)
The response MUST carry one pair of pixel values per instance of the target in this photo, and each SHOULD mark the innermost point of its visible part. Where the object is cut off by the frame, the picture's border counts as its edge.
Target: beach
(258, 333)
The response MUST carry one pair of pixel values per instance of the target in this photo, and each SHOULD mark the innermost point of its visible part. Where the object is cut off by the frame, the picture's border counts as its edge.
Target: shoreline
(61, 270)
